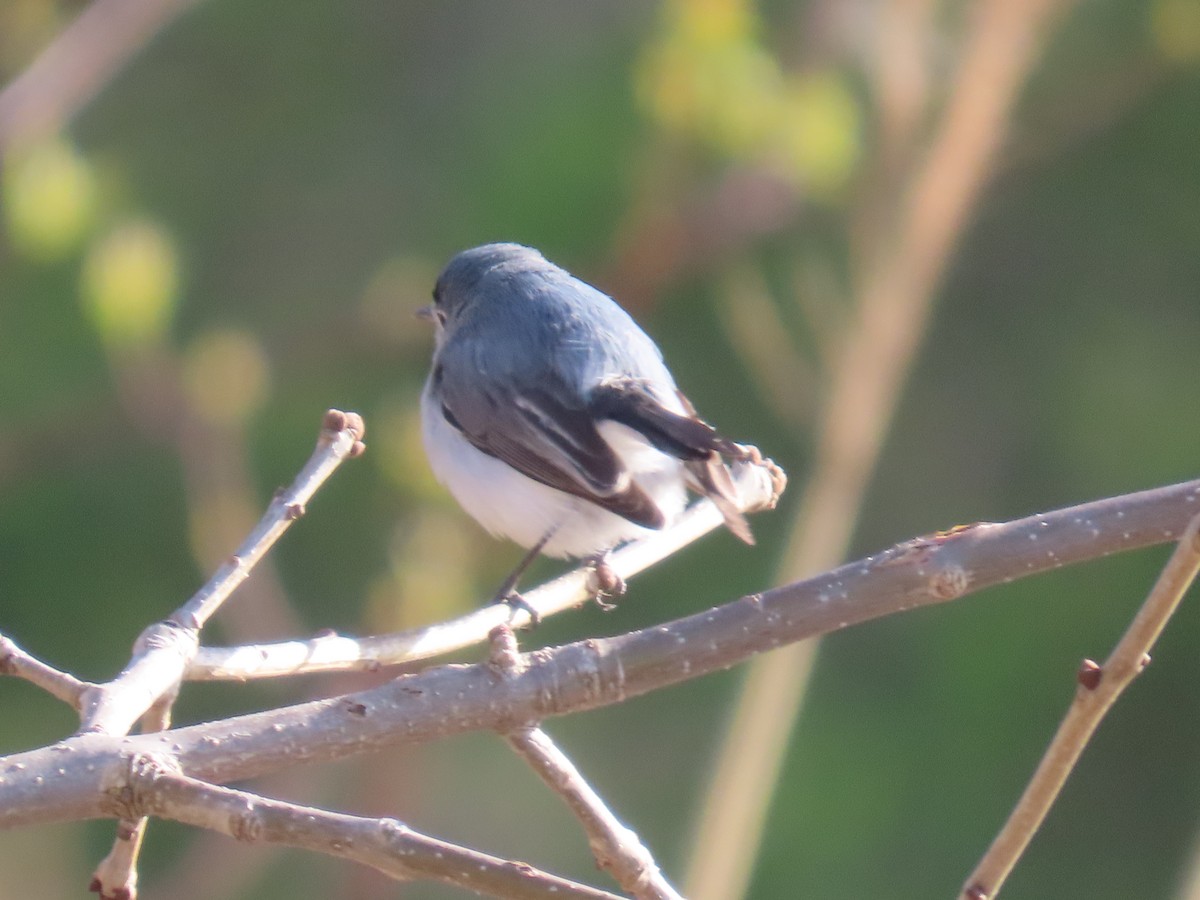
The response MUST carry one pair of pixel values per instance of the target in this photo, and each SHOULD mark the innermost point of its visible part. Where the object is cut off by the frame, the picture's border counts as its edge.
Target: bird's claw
(604, 581)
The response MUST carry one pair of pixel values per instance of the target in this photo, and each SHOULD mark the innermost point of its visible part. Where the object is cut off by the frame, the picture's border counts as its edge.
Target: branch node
(976, 892)
(95, 887)
(503, 656)
(1089, 675)
(949, 582)
(168, 633)
(127, 830)
(294, 511)
(246, 826)
(393, 830)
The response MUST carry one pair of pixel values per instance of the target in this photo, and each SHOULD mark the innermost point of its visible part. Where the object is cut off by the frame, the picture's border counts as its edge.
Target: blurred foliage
(49, 194)
(1176, 29)
(130, 284)
(232, 237)
(709, 77)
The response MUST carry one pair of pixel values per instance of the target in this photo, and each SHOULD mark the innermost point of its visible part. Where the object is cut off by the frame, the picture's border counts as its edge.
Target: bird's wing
(683, 435)
(551, 441)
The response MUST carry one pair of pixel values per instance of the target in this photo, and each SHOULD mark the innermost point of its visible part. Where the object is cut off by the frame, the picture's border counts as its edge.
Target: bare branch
(18, 663)
(101, 775)
(757, 487)
(116, 877)
(69, 780)
(386, 845)
(164, 649)
(1097, 690)
(597, 672)
(340, 438)
(617, 849)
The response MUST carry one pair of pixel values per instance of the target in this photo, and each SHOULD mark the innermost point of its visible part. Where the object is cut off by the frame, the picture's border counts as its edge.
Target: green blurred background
(231, 237)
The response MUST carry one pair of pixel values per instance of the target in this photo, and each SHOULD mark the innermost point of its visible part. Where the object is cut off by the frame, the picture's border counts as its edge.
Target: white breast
(511, 505)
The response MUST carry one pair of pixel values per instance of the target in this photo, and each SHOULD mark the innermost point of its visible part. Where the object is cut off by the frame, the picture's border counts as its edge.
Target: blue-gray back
(526, 321)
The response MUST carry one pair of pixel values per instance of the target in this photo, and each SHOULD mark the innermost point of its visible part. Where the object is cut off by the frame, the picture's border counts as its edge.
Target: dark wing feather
(547, 440)
(684, 436)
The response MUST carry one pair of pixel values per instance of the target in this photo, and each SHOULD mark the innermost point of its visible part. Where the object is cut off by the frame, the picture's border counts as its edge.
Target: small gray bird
(550, 415)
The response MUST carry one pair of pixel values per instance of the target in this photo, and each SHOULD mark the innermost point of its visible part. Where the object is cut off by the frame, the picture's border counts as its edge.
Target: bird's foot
(603, 581)
(514, 601)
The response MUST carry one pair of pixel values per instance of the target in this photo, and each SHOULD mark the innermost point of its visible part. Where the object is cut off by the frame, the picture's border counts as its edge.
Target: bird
(552, 419)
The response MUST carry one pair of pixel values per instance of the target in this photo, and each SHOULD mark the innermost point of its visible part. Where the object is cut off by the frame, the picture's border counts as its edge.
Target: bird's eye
(437, 310)
(431, 313)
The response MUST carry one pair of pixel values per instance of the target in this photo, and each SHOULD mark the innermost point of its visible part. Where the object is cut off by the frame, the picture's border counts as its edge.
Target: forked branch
(163, 651)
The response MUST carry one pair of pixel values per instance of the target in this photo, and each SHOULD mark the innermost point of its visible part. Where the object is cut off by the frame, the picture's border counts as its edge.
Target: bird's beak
(426, 313)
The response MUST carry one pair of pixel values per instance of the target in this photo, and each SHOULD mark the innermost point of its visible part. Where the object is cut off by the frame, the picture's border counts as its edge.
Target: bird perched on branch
(551, 417)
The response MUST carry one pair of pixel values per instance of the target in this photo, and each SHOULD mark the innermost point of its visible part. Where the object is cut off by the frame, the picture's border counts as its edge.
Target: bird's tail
(711, 478)
(683, 435)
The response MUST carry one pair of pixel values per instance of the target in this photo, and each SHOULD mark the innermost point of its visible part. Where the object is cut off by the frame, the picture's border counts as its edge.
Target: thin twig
(340, 439)
(387, 845)
(18, 663)
(1097, 690)
(757, 488)
(617, 849)
(222, 501)
(163, 650)
(191, 874)
(116, 876)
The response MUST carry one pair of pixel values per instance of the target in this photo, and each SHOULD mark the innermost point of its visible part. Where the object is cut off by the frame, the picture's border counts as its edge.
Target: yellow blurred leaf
(711, 22)
(1175, 27)
(819, 136)
(130, 284)
(49, 199)
(725, 95)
